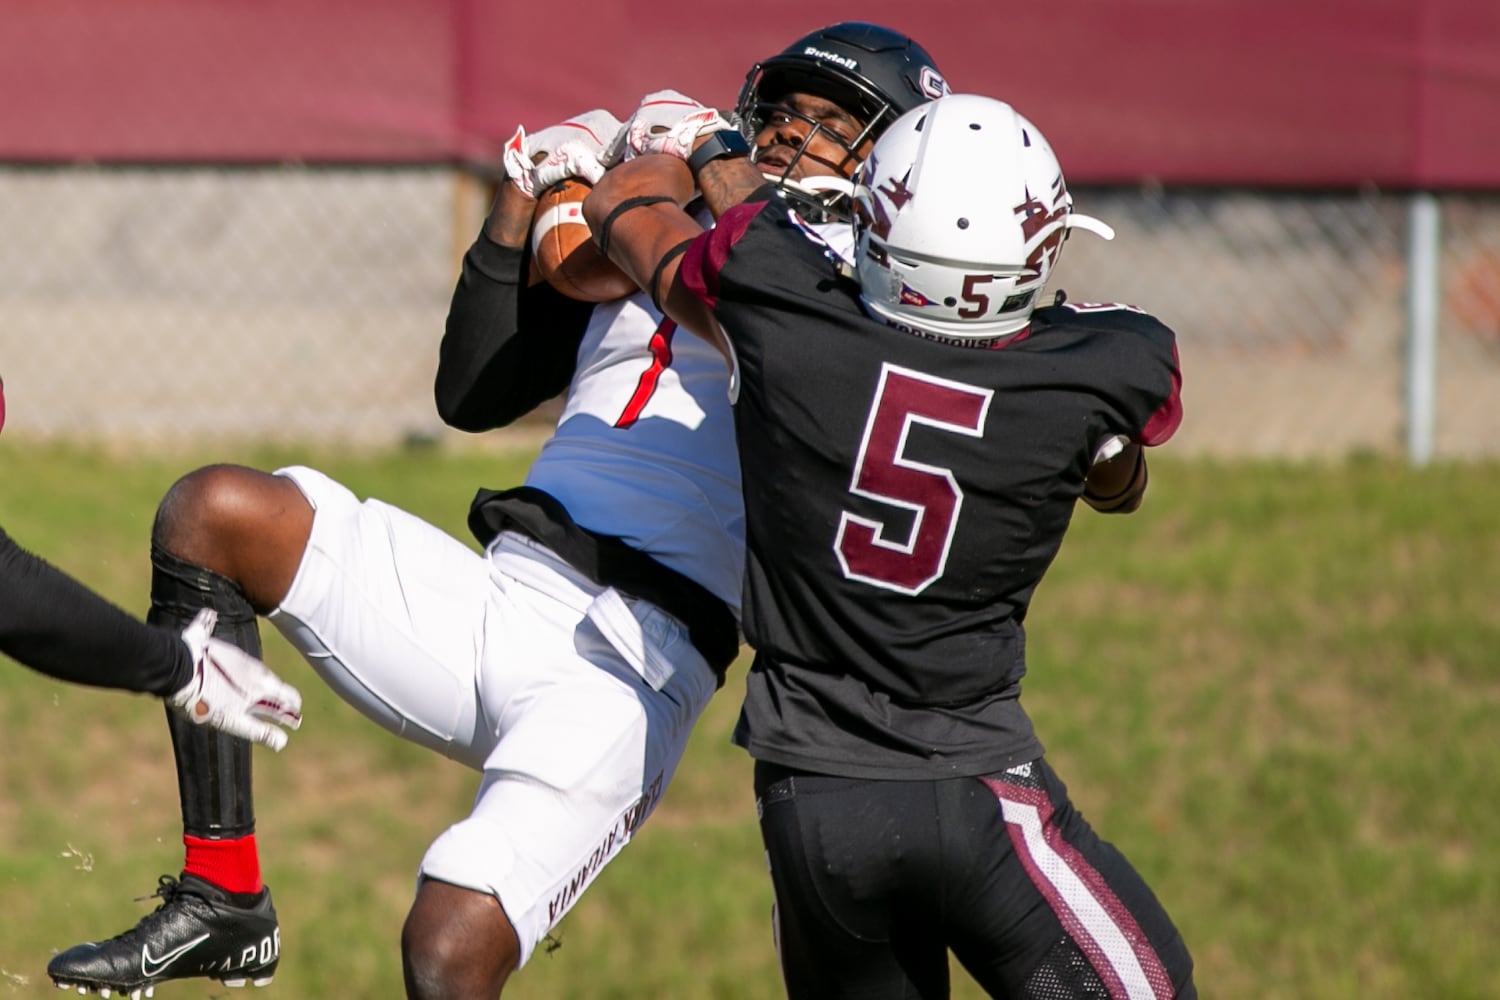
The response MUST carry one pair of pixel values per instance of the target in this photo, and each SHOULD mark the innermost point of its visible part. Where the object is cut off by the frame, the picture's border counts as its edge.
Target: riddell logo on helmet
(832, 57)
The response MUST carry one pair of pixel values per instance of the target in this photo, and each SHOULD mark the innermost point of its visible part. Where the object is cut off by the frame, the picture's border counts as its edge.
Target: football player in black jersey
(914, 438)
(54, 624)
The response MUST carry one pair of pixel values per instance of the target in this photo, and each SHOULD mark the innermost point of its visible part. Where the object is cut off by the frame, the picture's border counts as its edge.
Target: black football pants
(876, 880)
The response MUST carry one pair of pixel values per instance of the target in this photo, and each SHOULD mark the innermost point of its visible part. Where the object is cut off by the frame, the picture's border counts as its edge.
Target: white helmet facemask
(818, 198)
(961, 211)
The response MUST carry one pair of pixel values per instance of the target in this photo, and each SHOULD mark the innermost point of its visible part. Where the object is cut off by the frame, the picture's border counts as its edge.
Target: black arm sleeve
(52, 623)
(507, 348)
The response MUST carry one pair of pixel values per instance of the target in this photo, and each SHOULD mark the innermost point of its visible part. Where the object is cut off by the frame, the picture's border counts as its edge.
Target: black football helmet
(872, 72)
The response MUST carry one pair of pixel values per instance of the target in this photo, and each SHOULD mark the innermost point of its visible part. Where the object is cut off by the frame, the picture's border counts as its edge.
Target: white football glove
(665, 122)
(573, 148)
(233, 691)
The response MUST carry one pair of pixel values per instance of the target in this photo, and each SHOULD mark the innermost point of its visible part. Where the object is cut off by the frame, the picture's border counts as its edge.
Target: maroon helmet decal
(898, 194)
(1036, 218)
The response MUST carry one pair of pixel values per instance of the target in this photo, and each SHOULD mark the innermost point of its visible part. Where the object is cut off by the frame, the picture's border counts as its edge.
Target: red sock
(229, 864)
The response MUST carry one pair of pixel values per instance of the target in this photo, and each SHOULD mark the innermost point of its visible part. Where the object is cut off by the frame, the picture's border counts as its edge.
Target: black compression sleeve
(507, 348)
(52, 623)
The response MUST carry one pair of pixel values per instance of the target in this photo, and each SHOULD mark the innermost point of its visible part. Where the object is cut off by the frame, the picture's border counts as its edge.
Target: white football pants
(575, 701)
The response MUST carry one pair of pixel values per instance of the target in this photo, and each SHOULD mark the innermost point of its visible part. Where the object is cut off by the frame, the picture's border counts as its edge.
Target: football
(564, 253)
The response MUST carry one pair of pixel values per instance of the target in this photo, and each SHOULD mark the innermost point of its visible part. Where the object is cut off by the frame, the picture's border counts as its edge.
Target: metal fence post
(1423, 242)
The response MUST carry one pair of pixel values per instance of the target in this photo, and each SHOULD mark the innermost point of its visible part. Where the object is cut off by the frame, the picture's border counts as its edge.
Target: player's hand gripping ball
(564, 251)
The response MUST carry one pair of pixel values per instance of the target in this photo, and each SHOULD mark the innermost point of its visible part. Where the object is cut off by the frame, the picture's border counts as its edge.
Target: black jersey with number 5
(904, 497)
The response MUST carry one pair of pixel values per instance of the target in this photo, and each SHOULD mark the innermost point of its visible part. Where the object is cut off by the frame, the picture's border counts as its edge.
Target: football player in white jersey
(569, 660)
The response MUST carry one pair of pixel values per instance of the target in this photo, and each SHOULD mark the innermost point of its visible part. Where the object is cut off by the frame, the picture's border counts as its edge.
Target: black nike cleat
(195, 932)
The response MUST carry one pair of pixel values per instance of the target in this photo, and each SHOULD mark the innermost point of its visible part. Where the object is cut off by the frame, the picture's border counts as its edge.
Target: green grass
(1276, 688)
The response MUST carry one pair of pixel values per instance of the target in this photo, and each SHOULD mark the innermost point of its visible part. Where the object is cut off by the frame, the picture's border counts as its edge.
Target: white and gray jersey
(644, 449)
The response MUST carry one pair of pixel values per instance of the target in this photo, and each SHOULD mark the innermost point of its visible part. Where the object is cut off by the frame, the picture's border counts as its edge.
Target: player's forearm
(505, 349)
(54, 624)
(726, 182)
(635, 212)
(509, 221)
(510, 342)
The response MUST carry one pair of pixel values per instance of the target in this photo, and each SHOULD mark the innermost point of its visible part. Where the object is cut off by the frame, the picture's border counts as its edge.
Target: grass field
(1276, 688)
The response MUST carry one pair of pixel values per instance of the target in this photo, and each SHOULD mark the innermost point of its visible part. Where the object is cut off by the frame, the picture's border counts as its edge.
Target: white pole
(1425, 226)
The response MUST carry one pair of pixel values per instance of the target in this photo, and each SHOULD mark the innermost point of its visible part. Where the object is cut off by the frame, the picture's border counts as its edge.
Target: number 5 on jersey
(885, 474)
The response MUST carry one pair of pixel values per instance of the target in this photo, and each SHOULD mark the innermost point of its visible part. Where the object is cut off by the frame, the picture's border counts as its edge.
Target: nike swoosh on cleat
(152, 967)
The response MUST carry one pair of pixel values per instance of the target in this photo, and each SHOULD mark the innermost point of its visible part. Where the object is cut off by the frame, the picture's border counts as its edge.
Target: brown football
(564, 252)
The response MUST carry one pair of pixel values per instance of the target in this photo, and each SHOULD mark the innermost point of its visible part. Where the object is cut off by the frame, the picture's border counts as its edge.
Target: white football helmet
(960, 215)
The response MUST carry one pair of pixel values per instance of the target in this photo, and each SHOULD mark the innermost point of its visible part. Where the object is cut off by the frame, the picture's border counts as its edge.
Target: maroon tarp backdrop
(1396, 93)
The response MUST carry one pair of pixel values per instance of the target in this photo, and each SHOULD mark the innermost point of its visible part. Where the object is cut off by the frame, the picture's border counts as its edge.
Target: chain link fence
(162, 306)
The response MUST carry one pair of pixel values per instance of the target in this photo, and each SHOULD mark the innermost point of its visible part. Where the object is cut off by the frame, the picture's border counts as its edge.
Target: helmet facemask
(817, 197)
(872, 73)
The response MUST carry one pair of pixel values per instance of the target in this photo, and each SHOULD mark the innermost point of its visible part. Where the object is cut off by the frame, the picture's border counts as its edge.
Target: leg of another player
(231, 538)
(228, 538)
(249, 526)
(457, 942)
